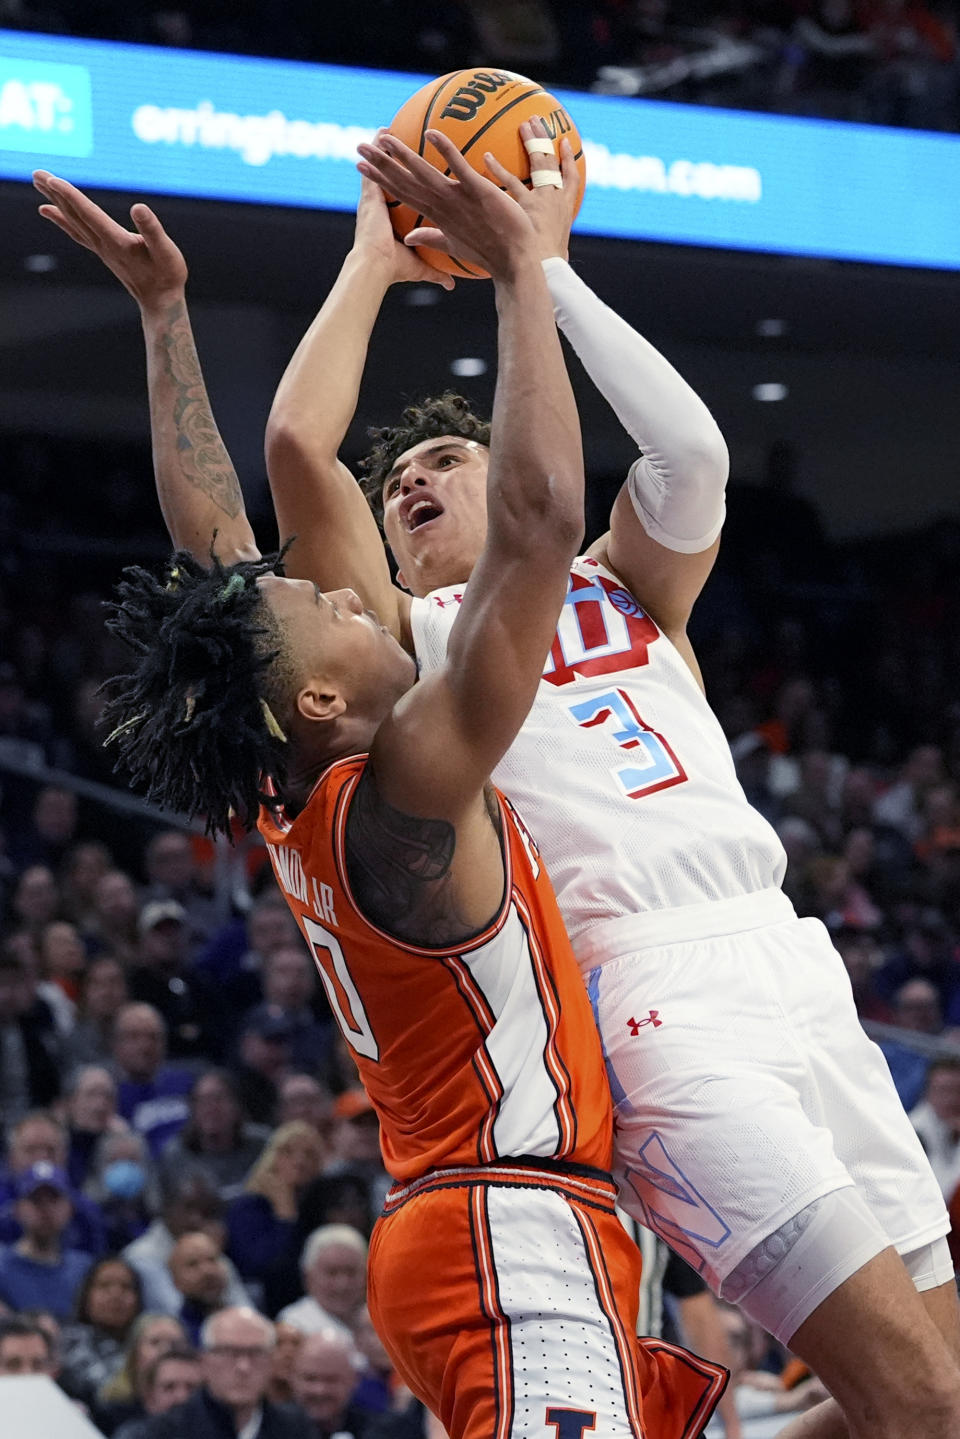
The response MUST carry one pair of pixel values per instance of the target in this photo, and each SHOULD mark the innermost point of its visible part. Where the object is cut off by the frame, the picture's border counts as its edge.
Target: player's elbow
(708, 459)
(287, 441)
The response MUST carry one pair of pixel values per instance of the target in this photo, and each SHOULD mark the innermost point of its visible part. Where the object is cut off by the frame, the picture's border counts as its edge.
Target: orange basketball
(480, 110)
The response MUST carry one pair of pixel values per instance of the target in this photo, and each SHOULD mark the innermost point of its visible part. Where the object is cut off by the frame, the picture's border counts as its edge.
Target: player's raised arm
(666, 520)
(314, 494)
(444, 737)
(197, 484)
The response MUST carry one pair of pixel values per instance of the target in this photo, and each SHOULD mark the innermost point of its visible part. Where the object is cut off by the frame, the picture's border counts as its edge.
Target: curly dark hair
(197, 722)
(446, 414)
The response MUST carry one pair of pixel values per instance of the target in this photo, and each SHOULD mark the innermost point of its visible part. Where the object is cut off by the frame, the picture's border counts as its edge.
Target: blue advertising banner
(278, 132)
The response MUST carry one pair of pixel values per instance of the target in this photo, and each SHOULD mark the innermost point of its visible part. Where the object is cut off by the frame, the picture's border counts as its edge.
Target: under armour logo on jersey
(652, 1018)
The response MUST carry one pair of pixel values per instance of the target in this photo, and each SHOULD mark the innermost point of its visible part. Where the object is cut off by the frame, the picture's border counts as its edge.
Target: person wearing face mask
(108, 1303)
(124, 1186)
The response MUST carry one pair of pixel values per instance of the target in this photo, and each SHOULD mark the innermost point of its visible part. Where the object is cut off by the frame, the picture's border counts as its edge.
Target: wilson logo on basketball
(465, 102)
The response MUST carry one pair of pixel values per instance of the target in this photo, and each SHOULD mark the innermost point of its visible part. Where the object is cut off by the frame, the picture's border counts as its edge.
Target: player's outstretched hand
(551, 207)
(375, 240)
(471, 216)
(145, 261)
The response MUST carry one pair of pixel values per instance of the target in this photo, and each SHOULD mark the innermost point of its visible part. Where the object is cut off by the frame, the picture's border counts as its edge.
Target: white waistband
(658, 927)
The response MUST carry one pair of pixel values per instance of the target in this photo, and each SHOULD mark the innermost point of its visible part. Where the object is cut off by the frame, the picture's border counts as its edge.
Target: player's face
(435, 512)
(332, 636)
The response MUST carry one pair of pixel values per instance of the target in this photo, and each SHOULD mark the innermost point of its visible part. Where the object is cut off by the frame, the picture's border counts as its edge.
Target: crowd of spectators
(891, 62)
(186, 1145)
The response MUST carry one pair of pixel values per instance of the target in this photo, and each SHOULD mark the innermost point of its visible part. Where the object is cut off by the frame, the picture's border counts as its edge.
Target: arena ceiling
(869, 356)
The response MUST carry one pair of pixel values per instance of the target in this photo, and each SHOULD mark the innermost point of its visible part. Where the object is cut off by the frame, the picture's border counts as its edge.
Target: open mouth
(422, 513)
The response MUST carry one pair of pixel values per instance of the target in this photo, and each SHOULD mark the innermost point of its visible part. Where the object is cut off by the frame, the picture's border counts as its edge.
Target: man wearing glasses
(237, 1347)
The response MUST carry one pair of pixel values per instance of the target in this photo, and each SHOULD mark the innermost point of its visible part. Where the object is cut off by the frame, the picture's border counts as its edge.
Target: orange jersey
(469, 1055)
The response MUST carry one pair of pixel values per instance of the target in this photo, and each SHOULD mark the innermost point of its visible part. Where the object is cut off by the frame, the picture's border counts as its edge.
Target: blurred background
(829, 634)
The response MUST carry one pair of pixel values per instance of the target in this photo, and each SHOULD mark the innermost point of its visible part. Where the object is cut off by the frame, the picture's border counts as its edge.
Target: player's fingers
(95, 223)
(456, 163)
(430, 236)
(57, 217)
(504, 178)
(568, 166)
(544, 165)
(148, 225)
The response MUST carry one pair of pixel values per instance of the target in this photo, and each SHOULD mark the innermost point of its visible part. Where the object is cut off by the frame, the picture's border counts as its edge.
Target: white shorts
(744, 1085)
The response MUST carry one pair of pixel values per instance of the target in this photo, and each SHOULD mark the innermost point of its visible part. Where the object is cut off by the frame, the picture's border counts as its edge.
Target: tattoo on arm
(399, 867)
(204, 462)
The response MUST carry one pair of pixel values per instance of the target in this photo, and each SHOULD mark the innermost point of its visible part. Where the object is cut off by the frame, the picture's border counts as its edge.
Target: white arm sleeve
(677, 484)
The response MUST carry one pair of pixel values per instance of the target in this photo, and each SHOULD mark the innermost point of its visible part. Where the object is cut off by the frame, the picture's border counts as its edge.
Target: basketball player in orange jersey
(500, 1277)
(757, 1129)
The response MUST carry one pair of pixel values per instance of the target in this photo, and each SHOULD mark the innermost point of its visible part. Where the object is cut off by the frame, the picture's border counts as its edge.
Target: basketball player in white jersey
(758, 1129)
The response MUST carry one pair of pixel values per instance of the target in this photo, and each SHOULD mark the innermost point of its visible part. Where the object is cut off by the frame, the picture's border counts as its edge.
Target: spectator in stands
(338, 1198)
(41, 1138)
(378, 1382)
(334, 1269)
(36, 900)
(902, 804)
(237, 1349)
(161, 978)
(289, 980)
(114, 925)
(355, 1142)
(193, 1205)
(287, 1342)
(152, 1095)
(341, 1198)
(84, 866)
(217, 1141)
(167, 1382)
(262, 1064)
(916, 1007)
(862, 958)
(201, 1279)
(302, 1096)
(91, 1112)
(52, 829)
(63, 960)
(38, 1272)
(937, 1121)
(25, 1347)
(29, 1074)
(124, 1187)
(232, 962)
(103, 993)
(93, 1346)
(172, 874)
(121, 1398)
(262, 1222)
(325, 1374)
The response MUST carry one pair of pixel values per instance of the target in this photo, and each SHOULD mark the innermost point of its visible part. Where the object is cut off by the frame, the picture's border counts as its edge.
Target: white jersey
(621, 769)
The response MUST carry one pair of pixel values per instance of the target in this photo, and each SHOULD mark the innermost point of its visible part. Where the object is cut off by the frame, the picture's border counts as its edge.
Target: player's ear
(401, 581)
(320, 701)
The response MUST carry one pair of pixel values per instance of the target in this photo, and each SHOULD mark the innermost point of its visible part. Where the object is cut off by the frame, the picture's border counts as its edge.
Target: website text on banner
(280, 133)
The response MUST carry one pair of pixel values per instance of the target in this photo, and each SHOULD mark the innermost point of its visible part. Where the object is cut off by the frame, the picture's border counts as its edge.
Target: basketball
(481, 111)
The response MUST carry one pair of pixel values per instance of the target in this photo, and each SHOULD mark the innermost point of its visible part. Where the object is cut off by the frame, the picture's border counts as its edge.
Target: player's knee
(794, 1269)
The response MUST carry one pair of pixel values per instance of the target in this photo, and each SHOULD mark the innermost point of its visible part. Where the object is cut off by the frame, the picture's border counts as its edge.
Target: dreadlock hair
(446, 414)
(194, 722)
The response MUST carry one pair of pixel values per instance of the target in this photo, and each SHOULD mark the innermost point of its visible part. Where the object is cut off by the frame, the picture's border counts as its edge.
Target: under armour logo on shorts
(652, 1018)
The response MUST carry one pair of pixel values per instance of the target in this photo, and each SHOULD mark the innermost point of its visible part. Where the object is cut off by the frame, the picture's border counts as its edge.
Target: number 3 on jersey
(655, 765)
(341, 990)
